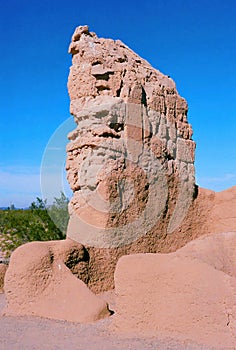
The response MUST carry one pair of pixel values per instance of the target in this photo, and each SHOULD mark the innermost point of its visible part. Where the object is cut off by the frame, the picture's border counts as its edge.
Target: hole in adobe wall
(121, 59)
(96, 63)
(101, 88)
(144, 97)
(117, 126)
(109, 134)
(104, 76)
(119, 90)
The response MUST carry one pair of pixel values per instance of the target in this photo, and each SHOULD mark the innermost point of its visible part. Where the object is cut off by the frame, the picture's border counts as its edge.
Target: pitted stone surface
(129, 116)
(130, 160)
(41, 280)
(189, 294)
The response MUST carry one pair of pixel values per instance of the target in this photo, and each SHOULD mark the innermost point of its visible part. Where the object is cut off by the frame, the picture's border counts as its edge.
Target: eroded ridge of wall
(130, 160)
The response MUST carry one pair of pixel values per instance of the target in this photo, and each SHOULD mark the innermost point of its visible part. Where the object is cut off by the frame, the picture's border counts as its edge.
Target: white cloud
(222, 178)
(217, 183)
(19, 187)
(19, 181)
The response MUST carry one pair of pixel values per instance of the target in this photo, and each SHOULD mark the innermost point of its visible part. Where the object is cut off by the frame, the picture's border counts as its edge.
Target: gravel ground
(31, 333)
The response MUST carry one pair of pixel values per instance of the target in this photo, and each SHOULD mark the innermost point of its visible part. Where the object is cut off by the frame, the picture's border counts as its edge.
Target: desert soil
(34, 333)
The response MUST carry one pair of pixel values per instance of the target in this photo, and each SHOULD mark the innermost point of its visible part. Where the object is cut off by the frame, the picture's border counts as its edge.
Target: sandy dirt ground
(31, 333)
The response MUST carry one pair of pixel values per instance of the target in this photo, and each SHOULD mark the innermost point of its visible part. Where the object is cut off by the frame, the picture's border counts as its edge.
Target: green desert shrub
(38, 223)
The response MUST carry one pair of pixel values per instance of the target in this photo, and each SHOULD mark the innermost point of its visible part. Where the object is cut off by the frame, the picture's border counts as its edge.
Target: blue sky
(192, 41)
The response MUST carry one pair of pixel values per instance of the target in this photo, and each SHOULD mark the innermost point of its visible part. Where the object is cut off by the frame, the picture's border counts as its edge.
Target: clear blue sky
(192, 41)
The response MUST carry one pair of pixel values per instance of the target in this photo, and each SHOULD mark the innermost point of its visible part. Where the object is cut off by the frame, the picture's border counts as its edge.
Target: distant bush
(58, 212)
(38, 223)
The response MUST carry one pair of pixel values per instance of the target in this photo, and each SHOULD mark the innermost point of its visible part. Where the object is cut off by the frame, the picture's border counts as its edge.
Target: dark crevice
(101, 88)
(109, 134)
(169, 156)
(104, 76)
(51, 258)
(196, 191)
(121, 59)
(117, 126)
(144, 97)
(119, 90)
(96, 63)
